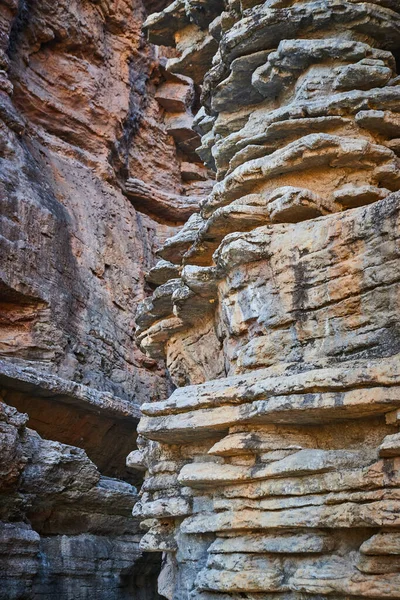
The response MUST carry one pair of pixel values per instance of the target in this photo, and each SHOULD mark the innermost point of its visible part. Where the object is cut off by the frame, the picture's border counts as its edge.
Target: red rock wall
(74, 248)
(78, 119)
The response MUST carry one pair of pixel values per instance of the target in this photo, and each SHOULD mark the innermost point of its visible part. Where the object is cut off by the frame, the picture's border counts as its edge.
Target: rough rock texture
(273, 469)
(97, 168)
(66, 530)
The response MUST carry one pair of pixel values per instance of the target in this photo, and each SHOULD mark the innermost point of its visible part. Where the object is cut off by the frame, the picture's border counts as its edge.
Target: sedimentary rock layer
(272, 471)
(97, 168)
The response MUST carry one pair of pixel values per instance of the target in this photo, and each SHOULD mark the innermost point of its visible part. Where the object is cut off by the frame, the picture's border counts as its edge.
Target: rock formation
(273, 468)
(97, 168)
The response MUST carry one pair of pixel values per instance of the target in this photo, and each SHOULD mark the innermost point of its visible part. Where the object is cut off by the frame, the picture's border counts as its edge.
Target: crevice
(142, 579)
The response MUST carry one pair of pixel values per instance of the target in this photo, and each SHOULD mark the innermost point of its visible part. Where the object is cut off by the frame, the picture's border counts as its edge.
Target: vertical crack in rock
(272, 469)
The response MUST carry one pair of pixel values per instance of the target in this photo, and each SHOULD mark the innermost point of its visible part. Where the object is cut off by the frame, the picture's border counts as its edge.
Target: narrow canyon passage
(199, 300)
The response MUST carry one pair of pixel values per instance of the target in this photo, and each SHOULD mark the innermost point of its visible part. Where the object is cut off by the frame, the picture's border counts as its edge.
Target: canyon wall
(266, 372)
(97, 168)
(272, 471)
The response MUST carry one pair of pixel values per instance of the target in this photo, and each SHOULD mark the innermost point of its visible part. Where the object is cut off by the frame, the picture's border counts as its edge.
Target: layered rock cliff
(97, 169)
(273, 468)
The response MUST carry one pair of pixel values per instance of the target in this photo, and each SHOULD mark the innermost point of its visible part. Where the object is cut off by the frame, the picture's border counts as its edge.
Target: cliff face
(272, 471)
(94, 175)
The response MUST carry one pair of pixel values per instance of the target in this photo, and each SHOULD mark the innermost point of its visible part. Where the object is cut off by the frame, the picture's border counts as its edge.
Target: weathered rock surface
(97, 169)
(66, 530)
(272, 470)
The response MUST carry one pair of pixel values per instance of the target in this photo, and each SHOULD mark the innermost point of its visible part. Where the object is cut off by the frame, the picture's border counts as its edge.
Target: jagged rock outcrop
(272, 471)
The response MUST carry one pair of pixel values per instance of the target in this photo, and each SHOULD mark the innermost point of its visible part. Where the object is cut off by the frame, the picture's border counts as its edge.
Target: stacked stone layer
(272, 469)
(91, 128)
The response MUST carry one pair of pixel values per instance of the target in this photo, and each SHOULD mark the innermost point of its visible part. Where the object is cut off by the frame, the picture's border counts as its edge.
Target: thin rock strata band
(272, 471)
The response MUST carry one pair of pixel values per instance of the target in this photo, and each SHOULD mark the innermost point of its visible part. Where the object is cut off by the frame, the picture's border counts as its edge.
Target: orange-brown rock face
(95, 173)
(272, 471)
